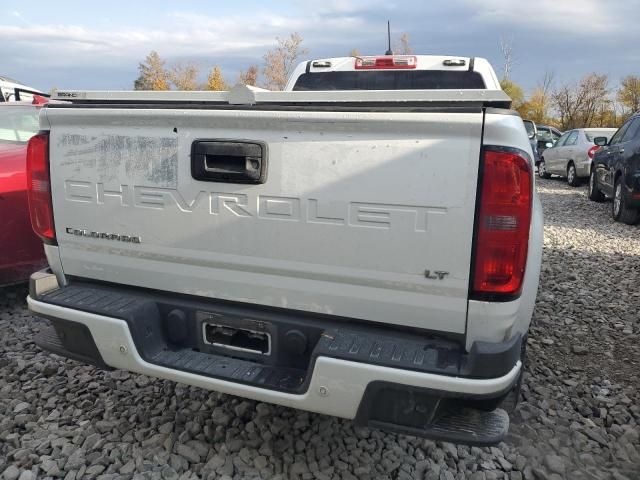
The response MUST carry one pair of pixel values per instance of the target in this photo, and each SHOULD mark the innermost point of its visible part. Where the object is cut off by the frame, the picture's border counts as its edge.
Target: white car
(14, 91)
(372, 255)
(571, 156)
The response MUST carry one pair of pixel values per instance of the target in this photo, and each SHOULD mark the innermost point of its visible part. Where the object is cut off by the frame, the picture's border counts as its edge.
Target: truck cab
(394, 72)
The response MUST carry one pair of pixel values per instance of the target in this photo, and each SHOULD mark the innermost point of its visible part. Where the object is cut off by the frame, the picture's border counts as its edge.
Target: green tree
(280, 62)
(629, 93)
(250, 76)
(215, 80)
(606, 116)
(579, 104)
(184, 76)
(535, 107)
(515, 92)
(153, 75)
(403, 46)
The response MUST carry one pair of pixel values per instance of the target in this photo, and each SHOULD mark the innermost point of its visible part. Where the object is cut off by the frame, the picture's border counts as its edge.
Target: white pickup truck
(13, 91)
(365, 245)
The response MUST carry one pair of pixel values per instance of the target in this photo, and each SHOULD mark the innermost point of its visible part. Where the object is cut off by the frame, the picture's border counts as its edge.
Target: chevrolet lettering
(271, 207)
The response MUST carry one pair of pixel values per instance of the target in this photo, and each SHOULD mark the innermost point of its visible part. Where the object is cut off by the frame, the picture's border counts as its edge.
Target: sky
(87, 45)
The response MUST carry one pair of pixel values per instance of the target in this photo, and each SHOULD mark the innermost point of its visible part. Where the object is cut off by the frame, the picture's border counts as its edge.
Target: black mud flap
(432, 414)
(72, 340)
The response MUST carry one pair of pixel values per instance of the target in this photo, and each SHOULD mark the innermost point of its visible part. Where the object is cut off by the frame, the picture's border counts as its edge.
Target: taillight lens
(39, 187)
(386, 62)
(502, 226)
(592, 151)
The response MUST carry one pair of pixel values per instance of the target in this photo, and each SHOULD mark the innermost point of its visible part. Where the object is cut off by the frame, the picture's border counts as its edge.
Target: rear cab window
(390, 80)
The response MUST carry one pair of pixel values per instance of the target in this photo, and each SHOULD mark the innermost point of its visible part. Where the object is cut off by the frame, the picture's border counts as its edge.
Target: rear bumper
(333, 386)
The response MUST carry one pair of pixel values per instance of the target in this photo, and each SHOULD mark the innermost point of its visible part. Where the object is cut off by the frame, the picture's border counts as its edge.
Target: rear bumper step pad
(232, 369)
(71, 340)
(437, 414)
(144, 314)
(463, 425)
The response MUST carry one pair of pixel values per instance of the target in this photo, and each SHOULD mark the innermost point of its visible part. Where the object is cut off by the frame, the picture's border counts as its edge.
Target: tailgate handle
(229, 161)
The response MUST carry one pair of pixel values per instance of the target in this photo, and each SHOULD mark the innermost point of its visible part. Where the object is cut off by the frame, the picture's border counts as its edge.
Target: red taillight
(592, 151)
(39, 187)
(502, 226)
(386, 62)
(39, 100)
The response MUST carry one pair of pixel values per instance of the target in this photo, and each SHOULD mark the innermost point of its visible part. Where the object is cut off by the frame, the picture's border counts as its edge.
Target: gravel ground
(579, 418)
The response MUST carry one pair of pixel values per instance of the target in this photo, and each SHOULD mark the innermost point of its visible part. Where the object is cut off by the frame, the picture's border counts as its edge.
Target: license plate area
(236, 334)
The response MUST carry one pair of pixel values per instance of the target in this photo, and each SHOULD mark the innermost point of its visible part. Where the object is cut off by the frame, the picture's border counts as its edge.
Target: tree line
(155, 74)
(273, 74)
(589, 102)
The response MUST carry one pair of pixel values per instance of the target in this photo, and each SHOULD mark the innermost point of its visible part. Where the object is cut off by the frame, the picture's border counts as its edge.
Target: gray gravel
(579, 418)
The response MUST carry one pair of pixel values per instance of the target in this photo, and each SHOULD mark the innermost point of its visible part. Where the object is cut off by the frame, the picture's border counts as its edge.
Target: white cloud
(336, 7)
(185, 35)
(577, 17)
(107, 52)
(181, 35)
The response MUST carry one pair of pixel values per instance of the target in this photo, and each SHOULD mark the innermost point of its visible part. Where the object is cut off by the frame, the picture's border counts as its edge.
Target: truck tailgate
(355, 208)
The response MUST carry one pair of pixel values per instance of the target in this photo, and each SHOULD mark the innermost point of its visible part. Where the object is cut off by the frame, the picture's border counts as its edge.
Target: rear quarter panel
(499, 321)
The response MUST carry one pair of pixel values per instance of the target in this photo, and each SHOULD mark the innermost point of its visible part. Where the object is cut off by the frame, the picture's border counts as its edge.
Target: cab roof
(375, 63)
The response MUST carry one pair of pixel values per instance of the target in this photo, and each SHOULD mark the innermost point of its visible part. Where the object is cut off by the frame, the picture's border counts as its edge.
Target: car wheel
(542, 169)
(619, 208)
(594, 191)
(572, 175)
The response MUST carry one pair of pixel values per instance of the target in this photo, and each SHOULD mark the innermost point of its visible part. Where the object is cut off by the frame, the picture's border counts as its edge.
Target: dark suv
(616, 171)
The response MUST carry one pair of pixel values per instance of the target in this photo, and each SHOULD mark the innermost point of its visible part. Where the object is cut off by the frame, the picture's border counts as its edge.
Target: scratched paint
(151, 160)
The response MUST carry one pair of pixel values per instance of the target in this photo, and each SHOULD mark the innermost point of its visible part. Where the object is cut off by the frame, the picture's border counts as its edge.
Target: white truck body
(429, 63)
(366, 216)
(13, 91)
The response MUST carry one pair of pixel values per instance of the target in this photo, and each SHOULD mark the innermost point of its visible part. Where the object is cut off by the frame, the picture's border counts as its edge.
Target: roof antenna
(389, 51)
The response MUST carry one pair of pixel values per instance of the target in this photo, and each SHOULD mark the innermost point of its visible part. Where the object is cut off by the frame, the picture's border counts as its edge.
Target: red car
(21, 251)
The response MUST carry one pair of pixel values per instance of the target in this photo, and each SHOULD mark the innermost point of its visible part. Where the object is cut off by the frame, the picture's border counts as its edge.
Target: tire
(542, 170)
(620, 211)
(595, 194)
(572, 175)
